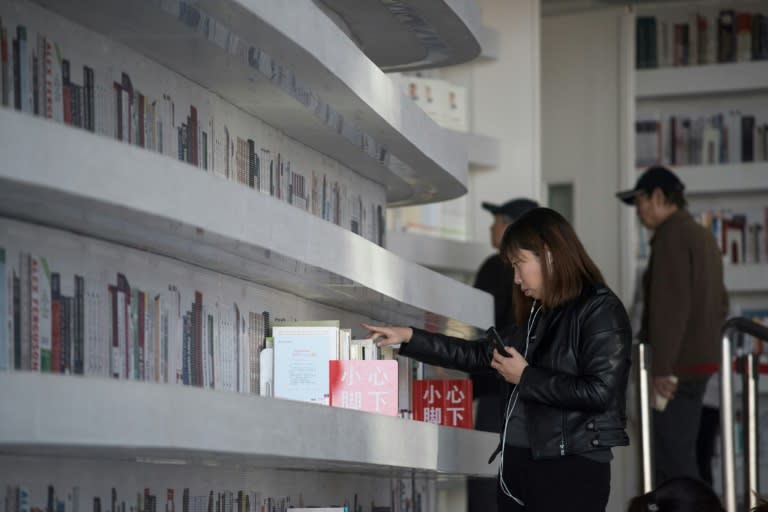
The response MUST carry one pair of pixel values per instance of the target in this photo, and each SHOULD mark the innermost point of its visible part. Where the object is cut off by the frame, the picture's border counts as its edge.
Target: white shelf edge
(98, 186)
(483, 151)
(725, 78)
(411, 36)
(105, 418)
(439, 253)
(489, 43)
(740, 277)
(748, 177)
(328, 69)
(746, 278)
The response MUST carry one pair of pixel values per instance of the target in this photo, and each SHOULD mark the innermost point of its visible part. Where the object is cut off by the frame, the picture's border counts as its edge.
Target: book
(302, 351)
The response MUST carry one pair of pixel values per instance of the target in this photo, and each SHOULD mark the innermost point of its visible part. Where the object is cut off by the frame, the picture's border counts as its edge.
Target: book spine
(78, 355)
(25, 317)
(5, 291)
(44, 319)
(34, 313)
(198, 338)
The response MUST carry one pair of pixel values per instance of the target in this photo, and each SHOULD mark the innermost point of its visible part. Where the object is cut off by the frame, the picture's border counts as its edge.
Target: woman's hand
(511, 368)
(388, 335)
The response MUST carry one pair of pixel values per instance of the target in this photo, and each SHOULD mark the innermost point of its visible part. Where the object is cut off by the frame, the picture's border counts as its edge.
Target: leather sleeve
(448, 352)
(603, 353)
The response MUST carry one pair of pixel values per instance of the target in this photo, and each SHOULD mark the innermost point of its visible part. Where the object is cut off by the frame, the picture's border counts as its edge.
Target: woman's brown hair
(565, 274)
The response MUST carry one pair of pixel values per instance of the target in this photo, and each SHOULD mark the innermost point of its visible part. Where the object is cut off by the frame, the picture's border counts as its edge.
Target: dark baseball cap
(651, 179)
(513, 208)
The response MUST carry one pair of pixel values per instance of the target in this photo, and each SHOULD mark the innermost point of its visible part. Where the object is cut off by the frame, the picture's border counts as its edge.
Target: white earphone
(513, 402)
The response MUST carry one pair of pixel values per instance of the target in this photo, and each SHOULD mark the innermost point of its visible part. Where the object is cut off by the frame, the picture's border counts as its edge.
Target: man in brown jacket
(684, 307)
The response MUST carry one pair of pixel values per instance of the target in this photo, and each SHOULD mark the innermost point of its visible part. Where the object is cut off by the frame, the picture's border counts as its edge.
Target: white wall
(504, 103)
(584, 123)
(586, 104)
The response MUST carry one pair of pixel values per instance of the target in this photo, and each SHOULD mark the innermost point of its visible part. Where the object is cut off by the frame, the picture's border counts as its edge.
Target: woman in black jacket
(567, 367)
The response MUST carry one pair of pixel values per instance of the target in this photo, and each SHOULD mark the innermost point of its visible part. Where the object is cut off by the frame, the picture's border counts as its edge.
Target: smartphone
(495, 340)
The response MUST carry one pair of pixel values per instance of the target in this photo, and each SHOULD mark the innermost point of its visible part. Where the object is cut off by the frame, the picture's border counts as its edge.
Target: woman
(566, 365)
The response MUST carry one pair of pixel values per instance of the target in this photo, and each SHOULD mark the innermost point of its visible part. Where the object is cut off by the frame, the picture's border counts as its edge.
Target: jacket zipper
(562, 438)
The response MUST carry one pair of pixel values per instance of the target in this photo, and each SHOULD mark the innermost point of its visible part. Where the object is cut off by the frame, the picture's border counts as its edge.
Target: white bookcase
(285, 71)
(706, 89)
(741, 187)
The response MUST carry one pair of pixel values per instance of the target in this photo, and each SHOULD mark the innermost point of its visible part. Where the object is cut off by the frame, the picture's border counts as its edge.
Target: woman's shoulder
(598, 300)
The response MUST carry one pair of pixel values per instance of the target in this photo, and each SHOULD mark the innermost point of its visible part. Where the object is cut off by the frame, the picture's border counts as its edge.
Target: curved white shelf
(439, 253)
(727, 78)
(110, 419)
(116, 192)
(746, 178)
(482, 150)
(289, 65)
(745, 278)
(406, 36)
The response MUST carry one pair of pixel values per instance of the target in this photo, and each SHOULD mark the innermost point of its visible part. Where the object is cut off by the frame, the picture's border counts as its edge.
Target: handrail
(749, 376)
(748, 367)
(646, 438)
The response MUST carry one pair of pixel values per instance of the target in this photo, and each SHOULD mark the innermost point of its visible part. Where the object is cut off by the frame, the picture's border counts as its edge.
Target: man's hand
(511, 368)
(665, 386)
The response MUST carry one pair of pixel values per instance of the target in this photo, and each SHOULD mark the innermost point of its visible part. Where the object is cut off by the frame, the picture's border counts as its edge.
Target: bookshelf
(716, 89)
(726, 78)
(289, 77)
(430, 34)
(747, 278)
(736, 183)
(62, 186)
(742, 178)
(482, 150)
(439, 254)
(107, 419)
(131, 205)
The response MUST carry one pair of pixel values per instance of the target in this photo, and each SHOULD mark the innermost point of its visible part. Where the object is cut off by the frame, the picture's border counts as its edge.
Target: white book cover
(301, 357)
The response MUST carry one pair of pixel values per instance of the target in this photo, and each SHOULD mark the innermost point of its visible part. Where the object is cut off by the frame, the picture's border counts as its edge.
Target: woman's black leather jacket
(575, 385)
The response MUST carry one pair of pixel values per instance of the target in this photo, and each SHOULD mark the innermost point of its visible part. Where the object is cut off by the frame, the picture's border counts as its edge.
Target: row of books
(39, 79)
(703, 37)
(19, 499)
(726, 137)
(86, 326)
(742, 238)
(739, 239)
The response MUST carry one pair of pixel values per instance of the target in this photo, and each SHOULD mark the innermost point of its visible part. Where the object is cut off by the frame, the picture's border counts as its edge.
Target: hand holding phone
(495, 340)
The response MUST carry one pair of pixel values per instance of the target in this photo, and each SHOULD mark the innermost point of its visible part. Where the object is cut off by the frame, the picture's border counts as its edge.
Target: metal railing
(745, 364)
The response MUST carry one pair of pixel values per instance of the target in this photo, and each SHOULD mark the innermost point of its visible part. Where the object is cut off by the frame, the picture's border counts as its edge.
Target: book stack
(725, 137)
(45, 74)
(699, 38)
(741, 238)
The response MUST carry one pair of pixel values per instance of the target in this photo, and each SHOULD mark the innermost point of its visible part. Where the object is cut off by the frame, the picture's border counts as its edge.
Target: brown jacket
(685, 301)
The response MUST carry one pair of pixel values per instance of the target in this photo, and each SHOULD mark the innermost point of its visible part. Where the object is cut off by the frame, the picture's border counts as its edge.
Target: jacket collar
(675, 219)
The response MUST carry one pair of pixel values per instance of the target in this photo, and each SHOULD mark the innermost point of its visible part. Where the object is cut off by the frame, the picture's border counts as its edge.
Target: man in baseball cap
(684, 306)
(653, 178)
